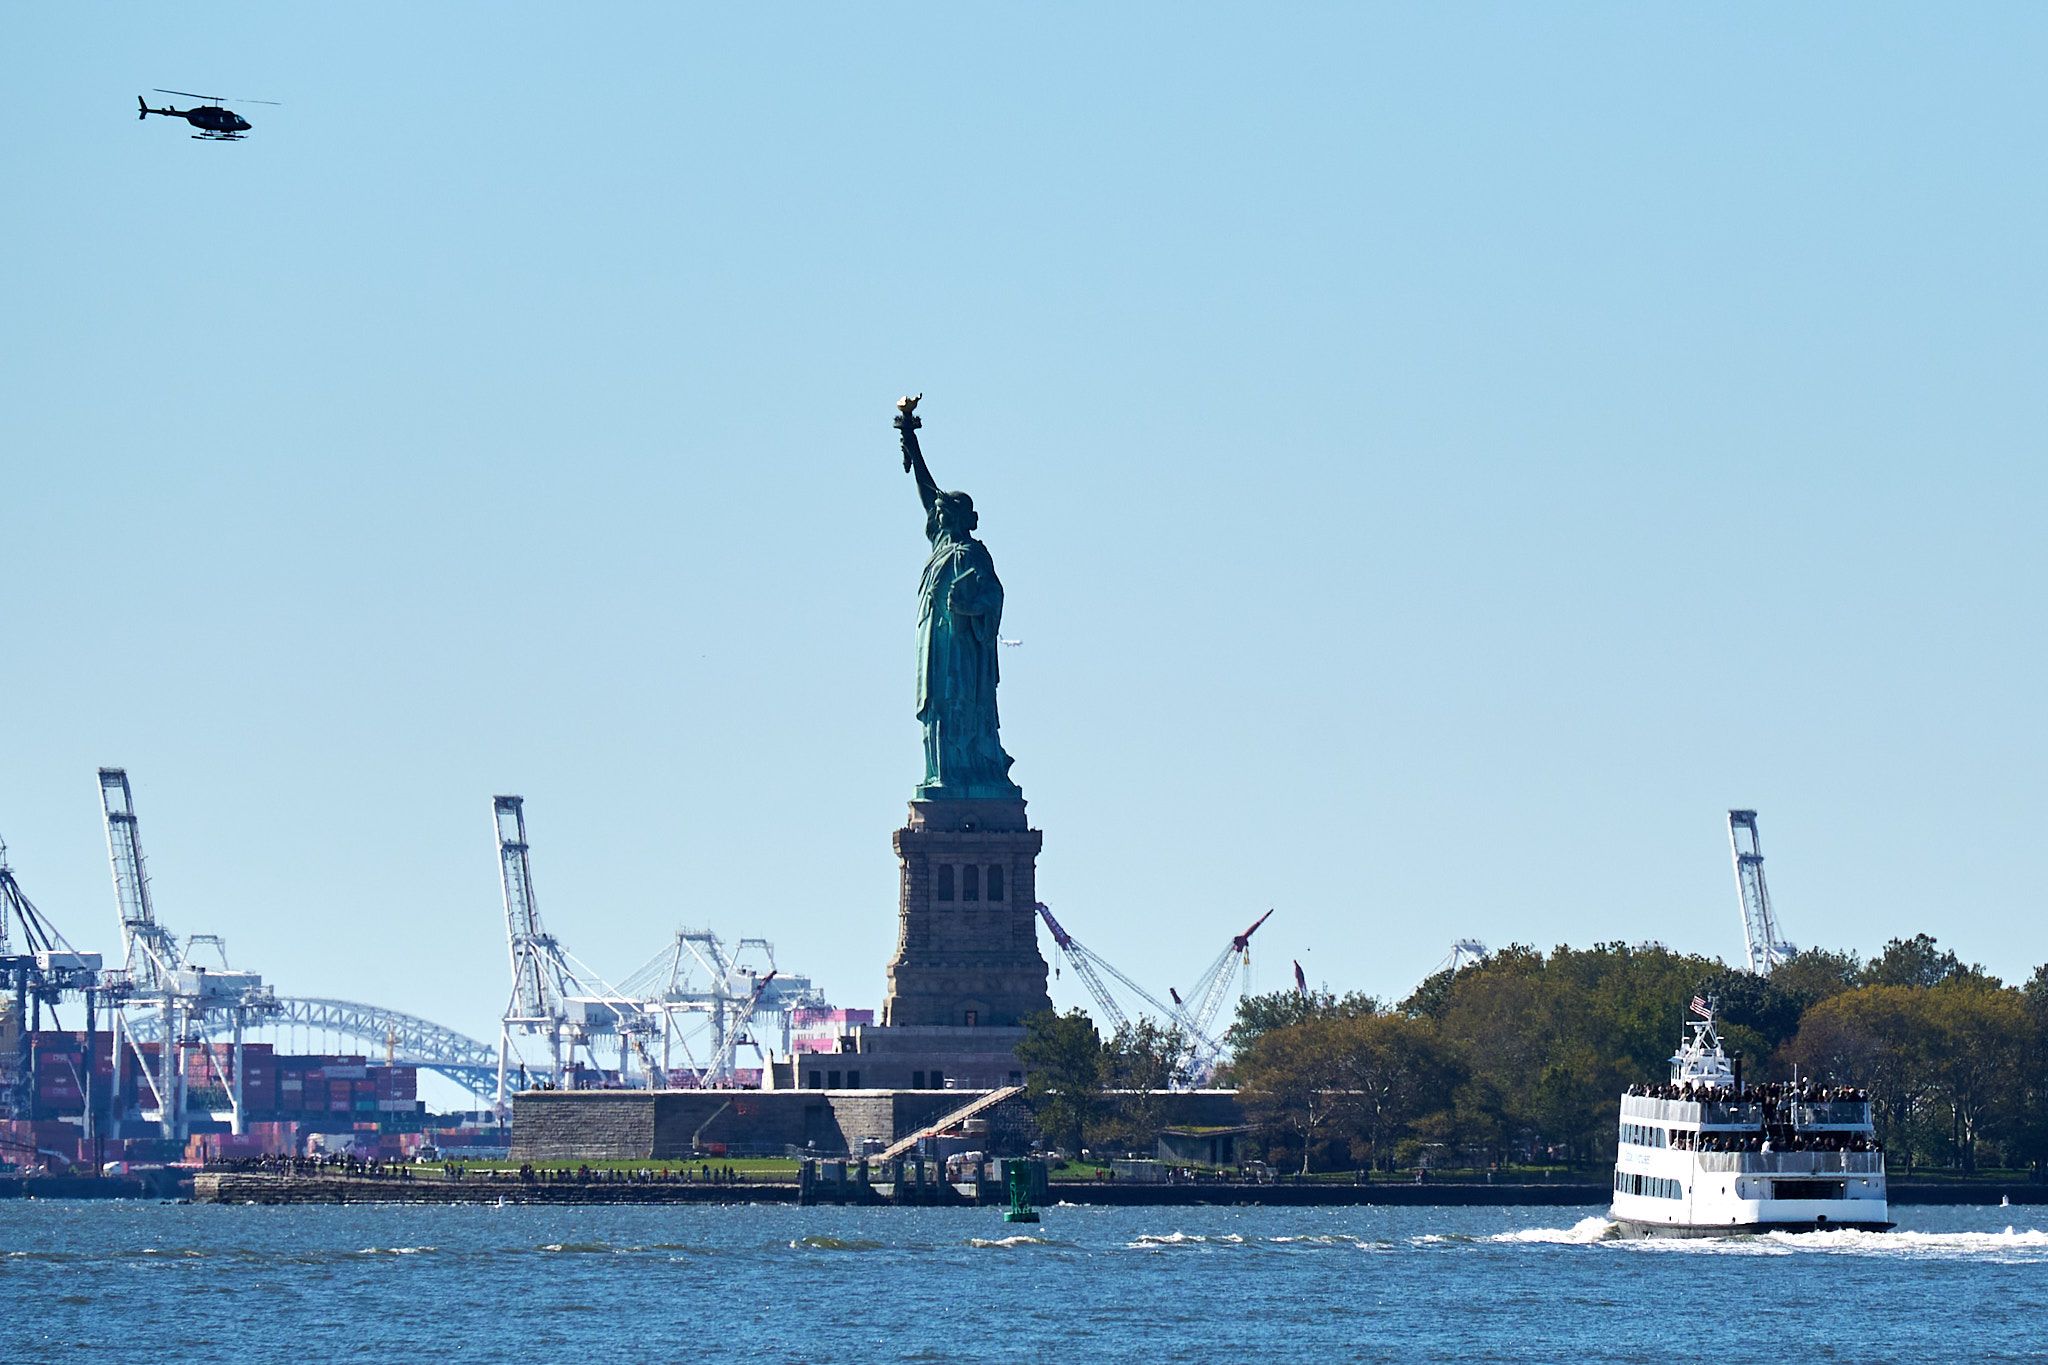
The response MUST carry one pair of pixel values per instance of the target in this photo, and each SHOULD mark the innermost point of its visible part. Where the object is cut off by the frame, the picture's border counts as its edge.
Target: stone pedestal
(967, 928)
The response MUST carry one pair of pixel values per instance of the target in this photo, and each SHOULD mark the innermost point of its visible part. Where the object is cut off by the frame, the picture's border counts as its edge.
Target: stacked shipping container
(272, 1084)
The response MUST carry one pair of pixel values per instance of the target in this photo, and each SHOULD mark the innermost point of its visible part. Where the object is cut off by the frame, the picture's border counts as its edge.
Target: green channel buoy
(1020, 1210)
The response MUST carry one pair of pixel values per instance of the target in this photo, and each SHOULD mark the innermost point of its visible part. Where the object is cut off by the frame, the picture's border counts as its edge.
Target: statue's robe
(959, 618)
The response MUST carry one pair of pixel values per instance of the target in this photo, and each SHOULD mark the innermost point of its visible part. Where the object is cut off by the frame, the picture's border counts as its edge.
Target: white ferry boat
(1706, 1156)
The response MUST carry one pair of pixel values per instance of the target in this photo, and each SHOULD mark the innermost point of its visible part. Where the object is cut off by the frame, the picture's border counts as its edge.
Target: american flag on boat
(1701, 1008)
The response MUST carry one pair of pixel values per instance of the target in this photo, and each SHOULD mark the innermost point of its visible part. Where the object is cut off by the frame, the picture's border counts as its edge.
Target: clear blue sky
(1440, 459)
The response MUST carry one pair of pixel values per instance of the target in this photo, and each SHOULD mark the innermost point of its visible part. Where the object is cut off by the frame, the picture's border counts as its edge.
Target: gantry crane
(1759, 922)
(39, 972)
(697, 977)
(553, 994)
(183, 993)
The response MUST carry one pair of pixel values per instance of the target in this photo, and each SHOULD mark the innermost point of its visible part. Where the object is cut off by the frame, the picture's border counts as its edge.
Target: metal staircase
(981, 1105)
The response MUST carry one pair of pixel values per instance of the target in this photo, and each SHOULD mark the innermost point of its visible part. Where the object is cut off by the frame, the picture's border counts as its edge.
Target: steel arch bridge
(413, 1041)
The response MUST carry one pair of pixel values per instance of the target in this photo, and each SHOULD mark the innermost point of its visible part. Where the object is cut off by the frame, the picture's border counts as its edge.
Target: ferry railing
(1793, 1163)
(1743, 1114)
(1831, 1114)
(1748, 1114)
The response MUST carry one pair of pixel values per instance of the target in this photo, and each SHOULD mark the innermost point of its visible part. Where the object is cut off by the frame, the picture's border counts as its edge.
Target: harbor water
(178, 1282)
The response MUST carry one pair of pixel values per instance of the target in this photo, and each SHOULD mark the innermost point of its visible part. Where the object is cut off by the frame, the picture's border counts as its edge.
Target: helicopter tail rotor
(142, 104)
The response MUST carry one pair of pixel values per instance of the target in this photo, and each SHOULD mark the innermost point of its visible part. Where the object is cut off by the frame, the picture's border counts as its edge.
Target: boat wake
(2029, 1246)
(2032, 1244)
(1585, 1231)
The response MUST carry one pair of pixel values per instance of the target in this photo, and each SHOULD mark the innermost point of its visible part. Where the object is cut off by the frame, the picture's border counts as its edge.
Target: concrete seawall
(164, 1184)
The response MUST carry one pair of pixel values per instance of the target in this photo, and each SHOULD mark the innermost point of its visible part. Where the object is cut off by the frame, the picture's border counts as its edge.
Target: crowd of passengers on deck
(1771, 1092)
(1774, 1142)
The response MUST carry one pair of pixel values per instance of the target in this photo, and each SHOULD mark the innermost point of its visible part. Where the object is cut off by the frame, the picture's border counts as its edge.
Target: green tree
(1757, 1014)
(1432, 997)
(1141, 1060)
(1259, 1014)
(1915, 961)
(2036, 991)
(1873, 1037)
(2027, 1132)
(1549, 1043)
(1403, 1077)
(1977, 1044)
(1816, 975)
(1367, 1079)
(1293, 1079)
(1063, 1061)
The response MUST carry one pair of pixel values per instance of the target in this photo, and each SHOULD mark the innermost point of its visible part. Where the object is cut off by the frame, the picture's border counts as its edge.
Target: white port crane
(698, 978)
(553, 995)
(1760, 933)
(189, 999)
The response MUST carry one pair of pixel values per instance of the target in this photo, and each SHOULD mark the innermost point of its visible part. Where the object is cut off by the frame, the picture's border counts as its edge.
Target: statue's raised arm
(907, 423)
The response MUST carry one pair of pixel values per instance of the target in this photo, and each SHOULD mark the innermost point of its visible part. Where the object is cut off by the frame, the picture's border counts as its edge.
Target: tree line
(1520, 1058)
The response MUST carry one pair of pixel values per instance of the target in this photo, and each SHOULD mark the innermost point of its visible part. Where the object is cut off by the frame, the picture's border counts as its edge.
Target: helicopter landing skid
(217, 137)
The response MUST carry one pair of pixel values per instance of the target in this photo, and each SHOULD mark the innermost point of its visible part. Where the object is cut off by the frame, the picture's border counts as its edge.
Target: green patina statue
(959, 619)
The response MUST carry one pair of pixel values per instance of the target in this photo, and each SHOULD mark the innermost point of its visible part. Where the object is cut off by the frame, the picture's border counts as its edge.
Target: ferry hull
(1630, 1227)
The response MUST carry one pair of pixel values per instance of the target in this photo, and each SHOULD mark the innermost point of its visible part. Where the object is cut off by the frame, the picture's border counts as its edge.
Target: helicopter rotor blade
(212, 99)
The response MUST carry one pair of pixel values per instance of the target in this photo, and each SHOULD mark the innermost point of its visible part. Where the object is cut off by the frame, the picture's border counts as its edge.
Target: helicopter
(215, 124)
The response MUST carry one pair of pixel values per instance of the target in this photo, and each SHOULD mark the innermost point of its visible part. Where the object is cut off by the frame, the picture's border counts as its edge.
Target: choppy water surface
(150, 1282)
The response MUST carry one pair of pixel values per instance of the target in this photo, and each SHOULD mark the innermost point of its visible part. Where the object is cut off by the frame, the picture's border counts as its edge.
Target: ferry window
(917, 1080)
(853, 1080)
(945, 881)
(831, 1080)
(970, 883)
(995, 882)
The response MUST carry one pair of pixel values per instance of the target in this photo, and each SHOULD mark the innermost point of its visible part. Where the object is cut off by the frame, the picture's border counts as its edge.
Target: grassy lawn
(1076, 1170)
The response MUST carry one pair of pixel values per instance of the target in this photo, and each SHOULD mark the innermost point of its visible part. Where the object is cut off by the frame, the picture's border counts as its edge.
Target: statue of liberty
(959, 618)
